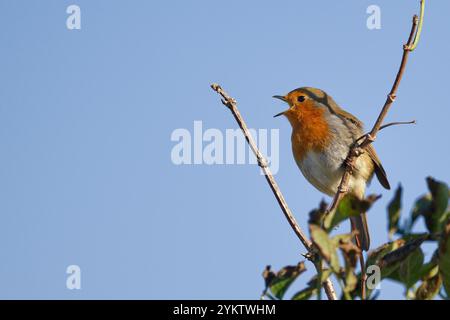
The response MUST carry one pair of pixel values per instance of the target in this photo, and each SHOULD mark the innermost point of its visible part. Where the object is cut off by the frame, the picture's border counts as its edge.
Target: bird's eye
(301, 98)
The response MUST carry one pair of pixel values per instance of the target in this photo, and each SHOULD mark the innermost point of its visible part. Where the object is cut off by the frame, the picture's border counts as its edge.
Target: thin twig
(387, 125)
(358, 147)
(232, 105)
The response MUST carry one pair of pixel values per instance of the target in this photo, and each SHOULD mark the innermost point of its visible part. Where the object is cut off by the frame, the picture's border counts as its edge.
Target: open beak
(282, 98)
(279, 114)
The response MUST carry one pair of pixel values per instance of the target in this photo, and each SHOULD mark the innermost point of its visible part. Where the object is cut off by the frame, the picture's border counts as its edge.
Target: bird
(322, 134)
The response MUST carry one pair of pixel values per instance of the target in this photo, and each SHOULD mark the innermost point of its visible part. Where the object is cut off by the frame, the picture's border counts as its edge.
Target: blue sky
(86, 117)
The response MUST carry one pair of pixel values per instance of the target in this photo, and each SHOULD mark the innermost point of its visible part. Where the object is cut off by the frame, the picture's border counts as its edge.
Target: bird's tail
(360, 224)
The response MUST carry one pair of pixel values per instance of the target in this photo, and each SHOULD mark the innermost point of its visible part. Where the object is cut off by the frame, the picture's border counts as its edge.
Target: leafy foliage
(401, 260)
(326, 247)
(444, 258)
(280, 282)
(430, 286)
(350, 206)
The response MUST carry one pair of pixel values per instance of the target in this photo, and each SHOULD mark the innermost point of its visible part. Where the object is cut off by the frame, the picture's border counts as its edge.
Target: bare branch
(387, 125)
(232, 105)
(358, 147)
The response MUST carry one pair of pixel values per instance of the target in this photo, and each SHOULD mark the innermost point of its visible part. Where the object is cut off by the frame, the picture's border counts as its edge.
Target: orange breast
(310, 130)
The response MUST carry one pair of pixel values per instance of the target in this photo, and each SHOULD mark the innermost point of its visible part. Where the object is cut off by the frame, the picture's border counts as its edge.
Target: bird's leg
(349, 162)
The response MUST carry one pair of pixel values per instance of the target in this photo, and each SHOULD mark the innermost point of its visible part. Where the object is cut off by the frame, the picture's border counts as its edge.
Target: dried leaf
(375, 256)
(390, 255)
(313, 286)
(316, 216)
(279, 283)
(268, 276)
(350, 252)
(400, 254)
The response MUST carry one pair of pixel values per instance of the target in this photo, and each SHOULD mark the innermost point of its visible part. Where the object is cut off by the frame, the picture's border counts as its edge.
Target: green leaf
(430, 285)
(326, 246)
(375, 256)
(394, 211)
(433, 207)
(305, 294)
(444, 258)
(349, 206)
(399, 271)
(420, 208)
(410, 268)
(439, 191)
(313, 286)
(401, 254)
(417, 236)
(437, 214)
(279, 283)
(430, 267)
(390, 255)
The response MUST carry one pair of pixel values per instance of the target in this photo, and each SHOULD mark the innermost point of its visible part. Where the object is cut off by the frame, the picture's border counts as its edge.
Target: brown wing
(379, 170)
(334, 108)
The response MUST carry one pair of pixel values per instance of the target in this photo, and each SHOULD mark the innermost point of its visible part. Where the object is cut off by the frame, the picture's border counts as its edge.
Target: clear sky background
(86, 116)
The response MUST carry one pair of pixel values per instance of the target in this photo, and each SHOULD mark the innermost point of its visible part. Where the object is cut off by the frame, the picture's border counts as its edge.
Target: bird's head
(306, 104)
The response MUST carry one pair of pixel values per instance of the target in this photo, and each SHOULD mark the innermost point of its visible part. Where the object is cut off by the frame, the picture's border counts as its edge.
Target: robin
(322, 134)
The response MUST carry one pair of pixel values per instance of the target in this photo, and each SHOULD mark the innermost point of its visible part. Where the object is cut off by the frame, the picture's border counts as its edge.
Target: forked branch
(361, 144)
